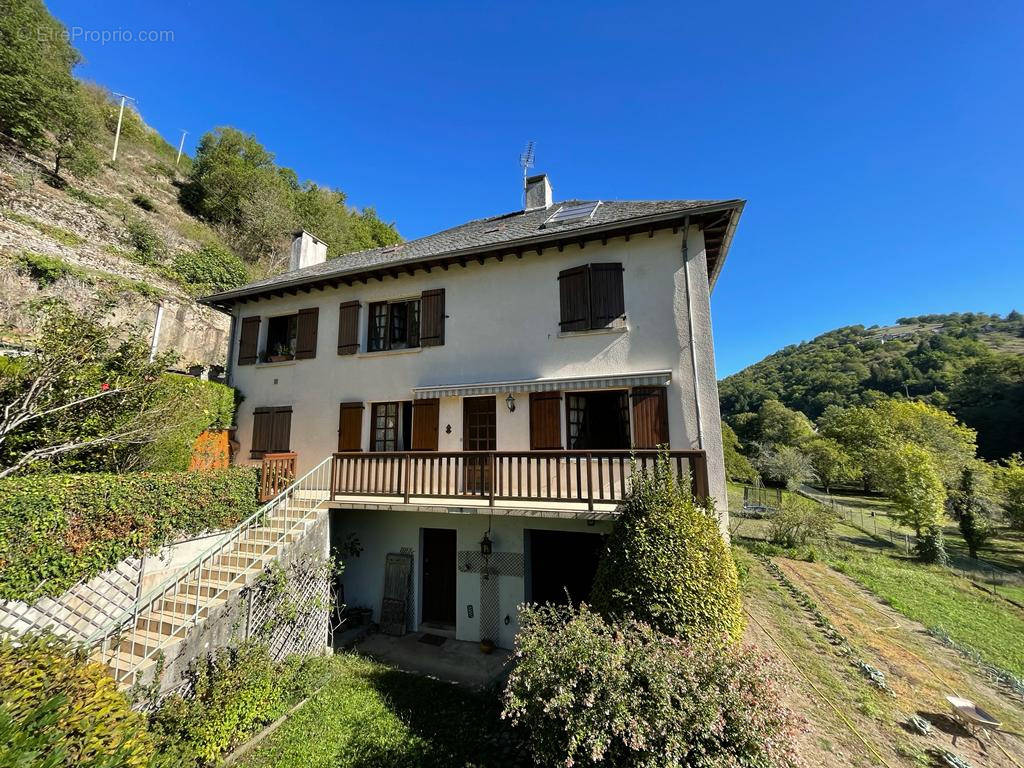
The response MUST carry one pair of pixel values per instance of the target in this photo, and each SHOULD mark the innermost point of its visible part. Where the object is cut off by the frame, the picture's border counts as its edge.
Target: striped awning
(557, 384)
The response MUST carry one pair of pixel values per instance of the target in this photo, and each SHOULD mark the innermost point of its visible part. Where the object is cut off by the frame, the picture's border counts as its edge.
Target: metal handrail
(196, 567)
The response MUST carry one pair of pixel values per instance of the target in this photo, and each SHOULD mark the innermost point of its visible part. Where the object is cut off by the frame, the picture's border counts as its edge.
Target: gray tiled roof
(508, 228)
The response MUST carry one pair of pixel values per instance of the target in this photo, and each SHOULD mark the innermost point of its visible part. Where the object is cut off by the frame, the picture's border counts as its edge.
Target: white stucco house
(478, 394)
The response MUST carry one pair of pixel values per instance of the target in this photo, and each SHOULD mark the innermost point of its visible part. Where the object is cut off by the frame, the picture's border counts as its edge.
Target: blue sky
(878, 144)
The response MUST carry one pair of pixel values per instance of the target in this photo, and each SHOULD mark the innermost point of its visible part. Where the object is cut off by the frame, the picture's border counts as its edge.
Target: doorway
(439, 548)
(478, 434)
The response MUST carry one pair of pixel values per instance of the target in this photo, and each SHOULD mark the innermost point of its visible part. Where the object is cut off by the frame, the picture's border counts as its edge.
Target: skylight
(569, 213)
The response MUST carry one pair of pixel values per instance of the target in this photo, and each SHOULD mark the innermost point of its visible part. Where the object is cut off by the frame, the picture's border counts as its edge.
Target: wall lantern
(511, 403)
(485, 546)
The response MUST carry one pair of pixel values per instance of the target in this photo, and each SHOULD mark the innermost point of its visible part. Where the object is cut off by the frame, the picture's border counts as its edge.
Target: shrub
(144, 202)
(149, 248)
(47, 270)
(667, 564)
(58, 708)
(798, 520)
(584, 692)
(210, 269)
(235, 693)
(58, 529)
(204, 405)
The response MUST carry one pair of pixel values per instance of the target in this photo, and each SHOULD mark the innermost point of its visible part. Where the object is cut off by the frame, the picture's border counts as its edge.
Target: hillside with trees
(147, 227)
(970, 364)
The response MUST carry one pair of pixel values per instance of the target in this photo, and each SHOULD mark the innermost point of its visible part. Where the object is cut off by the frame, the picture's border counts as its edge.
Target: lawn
(938, 599)
(369, 714)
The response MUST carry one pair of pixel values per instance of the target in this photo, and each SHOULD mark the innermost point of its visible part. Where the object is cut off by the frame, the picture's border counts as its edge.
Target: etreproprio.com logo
(101, 36)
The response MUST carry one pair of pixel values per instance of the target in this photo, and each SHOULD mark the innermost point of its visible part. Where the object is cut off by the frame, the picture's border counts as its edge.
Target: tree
(779, 425)
(667, 564)
(1009, 480)
(737, 466)
(799, 520)
(909, 477)
(81, 399)
(784, 464)
(989, 397)
(831, 463)
(969, 508)
(35, 72)
(859, 431)
(951, 444)
(76, 123)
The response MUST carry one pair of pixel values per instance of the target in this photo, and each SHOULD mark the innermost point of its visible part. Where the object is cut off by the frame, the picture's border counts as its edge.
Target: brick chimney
(538, 192)
(307, 250)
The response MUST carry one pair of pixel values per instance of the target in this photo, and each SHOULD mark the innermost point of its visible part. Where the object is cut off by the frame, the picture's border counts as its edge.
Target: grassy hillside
(971, 364)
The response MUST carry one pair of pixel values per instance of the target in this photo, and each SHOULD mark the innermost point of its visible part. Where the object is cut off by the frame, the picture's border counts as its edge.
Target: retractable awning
(555, 384)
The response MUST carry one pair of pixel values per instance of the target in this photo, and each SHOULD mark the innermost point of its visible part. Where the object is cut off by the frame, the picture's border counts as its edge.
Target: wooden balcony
(533, 479)
(277, 473)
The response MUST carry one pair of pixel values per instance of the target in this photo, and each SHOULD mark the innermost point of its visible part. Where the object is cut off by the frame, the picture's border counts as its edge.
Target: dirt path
(919, 669)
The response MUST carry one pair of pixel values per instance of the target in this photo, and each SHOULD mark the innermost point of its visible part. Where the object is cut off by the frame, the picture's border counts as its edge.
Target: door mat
(430, 639)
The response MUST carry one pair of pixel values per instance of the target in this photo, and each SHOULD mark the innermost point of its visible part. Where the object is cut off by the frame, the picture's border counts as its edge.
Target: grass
(46, 270)
(936, 598)
(62, 236)
(372, 715)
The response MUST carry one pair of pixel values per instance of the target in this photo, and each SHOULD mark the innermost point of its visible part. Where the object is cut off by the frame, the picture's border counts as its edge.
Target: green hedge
(58, 529)
(200, 405)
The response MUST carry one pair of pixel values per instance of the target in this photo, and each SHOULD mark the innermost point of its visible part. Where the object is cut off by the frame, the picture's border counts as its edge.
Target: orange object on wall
(210, 450)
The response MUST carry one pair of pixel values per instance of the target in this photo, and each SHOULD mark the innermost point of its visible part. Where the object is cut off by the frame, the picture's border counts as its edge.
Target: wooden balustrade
(580, 477)
(278, 472)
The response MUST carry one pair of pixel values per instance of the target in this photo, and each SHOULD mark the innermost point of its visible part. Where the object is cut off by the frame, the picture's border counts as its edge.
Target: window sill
(594, 331)
(388, 352)
(278, 364)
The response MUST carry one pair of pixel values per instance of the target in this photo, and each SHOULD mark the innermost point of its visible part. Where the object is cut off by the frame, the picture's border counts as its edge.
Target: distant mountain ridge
(969, 363)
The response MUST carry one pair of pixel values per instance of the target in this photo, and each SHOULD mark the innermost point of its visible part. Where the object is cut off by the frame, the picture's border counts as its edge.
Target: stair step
(211, 587)
(184, 606)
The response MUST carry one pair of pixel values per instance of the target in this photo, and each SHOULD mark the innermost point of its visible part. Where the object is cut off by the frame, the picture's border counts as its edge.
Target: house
(477, 395)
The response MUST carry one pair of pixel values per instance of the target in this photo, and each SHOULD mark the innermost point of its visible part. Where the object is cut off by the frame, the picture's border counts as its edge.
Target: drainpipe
(689, 322)
(156, 329)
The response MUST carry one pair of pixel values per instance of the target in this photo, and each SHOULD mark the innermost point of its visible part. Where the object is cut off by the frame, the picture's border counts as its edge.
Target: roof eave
(223, 300)
(723, 251)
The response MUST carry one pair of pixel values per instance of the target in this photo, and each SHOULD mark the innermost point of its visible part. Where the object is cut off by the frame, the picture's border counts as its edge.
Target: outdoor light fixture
(485, 546)
(511, 403)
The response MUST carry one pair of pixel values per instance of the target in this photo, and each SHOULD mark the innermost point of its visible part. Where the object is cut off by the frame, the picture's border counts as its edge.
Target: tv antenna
(526, 163)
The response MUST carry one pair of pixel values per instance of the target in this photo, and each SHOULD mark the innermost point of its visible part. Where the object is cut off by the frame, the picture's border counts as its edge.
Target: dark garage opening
(561, 561)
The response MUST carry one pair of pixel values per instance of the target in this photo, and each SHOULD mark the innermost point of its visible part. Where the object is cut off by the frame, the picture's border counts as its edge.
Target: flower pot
(486, 646)
(279, 358)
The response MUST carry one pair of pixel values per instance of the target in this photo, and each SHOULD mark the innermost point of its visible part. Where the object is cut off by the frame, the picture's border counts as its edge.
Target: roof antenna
(526, 163)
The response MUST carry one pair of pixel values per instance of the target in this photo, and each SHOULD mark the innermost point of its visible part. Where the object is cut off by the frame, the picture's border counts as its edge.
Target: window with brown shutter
(248, 340)
(607, 302)
(574, 298)
(271, 430)
(545, 421)
(432, 318)
(305, 340)
(348, 328)
(350, 427)
(650, 417)
(425, 416)
(590, 296)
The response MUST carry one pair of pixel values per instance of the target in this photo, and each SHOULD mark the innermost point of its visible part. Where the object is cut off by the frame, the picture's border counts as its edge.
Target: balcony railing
(277, 473)
(509, 478)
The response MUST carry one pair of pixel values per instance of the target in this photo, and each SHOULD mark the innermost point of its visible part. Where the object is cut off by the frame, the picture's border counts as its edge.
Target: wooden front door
(478, 434)
(439, 576)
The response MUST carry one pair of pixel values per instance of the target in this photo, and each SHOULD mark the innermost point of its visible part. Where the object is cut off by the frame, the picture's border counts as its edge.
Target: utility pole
(181, 144)
(117, 133)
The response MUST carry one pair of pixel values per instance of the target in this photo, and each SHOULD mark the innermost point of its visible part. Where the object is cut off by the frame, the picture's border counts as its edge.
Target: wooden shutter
(650, 417)
(281, 430)
(425, 415)
(248, 340)
(262, 419)
(606, 300)
(545, 421)
(574, 298)
(305, 334)
(432, 318)
(350, 427)
(348, 328)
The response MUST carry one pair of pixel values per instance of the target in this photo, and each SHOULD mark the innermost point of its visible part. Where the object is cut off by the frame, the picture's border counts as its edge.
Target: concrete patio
(455, 660)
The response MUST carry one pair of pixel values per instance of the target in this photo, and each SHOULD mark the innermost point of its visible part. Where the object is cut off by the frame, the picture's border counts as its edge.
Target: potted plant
(486, 646)
(281, 352)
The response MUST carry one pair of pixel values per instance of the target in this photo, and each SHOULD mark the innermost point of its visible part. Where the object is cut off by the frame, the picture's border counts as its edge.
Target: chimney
(307, 250)
(538, 192)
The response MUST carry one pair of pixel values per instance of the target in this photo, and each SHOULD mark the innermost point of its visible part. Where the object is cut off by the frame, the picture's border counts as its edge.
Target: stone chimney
(306, 251)
(538, 192)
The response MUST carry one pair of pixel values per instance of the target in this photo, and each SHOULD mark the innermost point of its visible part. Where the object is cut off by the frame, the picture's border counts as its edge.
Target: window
(597, 420)
(393, 325)
(390, 426)
(590, 296)
(282, 333)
